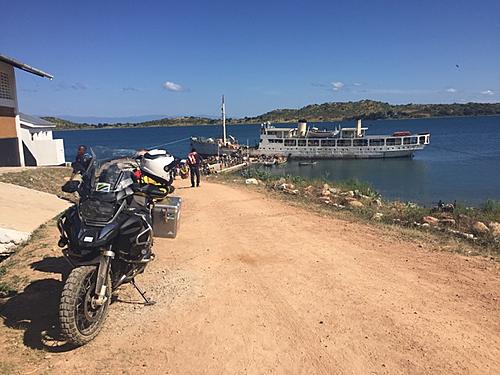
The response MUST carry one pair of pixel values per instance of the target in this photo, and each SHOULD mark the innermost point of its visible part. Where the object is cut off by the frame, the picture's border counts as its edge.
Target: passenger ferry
(303, 142)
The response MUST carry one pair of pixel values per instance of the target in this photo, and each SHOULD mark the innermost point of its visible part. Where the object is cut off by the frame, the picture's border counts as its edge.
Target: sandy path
(252, 285)
(24, 209)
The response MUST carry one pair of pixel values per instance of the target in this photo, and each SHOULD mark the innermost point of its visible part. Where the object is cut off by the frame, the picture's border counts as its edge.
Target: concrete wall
(44, 149)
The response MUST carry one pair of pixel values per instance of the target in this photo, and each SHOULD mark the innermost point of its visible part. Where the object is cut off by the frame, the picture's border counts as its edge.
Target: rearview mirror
(70, 186)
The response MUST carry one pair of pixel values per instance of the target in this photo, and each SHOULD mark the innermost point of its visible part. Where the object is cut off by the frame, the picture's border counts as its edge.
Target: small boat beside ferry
(303, 142)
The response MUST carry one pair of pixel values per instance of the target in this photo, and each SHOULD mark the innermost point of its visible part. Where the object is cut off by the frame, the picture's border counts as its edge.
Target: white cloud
(452, 90)
(487, 92)
(356, 84)
(337, 86)
(171, 86)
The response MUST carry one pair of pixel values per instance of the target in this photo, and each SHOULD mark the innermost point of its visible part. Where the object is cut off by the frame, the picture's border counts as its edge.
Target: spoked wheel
(81, 318)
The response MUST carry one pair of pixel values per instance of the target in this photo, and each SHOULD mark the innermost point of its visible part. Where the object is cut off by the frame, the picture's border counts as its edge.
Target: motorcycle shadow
(35, 309)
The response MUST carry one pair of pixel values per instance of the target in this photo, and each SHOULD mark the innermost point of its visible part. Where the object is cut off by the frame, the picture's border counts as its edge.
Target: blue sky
(125, 58)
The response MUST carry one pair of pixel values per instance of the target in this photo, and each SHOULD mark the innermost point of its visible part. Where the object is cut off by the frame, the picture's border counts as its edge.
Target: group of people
(192, 165)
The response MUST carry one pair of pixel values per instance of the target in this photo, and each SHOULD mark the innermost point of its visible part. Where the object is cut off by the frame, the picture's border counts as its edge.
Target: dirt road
(253, 285)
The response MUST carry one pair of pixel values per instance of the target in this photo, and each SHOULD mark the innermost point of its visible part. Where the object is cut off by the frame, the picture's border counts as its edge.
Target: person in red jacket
(194, 161)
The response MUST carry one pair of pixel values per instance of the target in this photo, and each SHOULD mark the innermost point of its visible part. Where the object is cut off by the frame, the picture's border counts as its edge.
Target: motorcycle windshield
(115, 175)
(108, 186)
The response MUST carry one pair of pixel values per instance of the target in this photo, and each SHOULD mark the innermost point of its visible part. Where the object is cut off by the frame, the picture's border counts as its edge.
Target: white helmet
(157, 165)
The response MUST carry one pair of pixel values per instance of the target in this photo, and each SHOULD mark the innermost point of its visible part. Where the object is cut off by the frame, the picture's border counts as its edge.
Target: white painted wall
(46, 151)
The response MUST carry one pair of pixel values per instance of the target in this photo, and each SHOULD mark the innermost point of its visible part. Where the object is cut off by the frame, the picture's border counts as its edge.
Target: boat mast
(224, 137)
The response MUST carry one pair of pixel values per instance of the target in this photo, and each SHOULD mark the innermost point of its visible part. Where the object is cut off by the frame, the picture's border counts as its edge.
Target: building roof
(25, 67)
(35, 122)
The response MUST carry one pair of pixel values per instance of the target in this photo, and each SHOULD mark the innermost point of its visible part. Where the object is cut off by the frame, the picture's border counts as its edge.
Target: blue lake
(462, 162)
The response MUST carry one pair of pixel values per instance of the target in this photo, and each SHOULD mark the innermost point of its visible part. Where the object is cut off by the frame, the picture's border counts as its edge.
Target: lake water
(462, 162)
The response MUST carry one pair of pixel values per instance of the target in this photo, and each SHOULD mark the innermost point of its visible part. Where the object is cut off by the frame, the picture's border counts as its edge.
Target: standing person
(82, 161)
(194, 161)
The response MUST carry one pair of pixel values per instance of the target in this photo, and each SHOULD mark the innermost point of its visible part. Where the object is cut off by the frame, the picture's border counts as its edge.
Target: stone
(447, 222)
(377, 216)
(309, 189)
(378, 202)
(480, 228)
(6, 249)
(426, 225)
(251, 181)
(355, 204)
(431, 220)
(494, 228)
(350, 193)
(13, 236)
(325, 192)
(468, 236)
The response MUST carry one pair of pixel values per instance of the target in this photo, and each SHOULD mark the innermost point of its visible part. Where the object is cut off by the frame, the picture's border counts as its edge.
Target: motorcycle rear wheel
(81, 320)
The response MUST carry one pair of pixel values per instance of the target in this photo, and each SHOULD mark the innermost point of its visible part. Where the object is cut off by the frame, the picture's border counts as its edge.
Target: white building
(24, 140)
(39, 147)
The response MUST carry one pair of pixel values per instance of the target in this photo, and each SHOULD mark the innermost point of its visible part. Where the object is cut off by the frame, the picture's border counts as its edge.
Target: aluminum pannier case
(166, 217)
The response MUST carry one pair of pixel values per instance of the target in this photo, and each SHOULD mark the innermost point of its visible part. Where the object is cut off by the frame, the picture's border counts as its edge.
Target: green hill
(335, 111)
(369, 109)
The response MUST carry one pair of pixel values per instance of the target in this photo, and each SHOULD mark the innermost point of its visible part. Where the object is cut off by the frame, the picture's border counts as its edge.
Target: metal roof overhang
(25, 67)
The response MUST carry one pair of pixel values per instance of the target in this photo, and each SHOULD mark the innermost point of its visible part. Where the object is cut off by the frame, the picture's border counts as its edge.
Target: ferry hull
(333, 154)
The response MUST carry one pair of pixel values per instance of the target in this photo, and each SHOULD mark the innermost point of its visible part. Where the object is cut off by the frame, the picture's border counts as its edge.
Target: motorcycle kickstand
(147, 301)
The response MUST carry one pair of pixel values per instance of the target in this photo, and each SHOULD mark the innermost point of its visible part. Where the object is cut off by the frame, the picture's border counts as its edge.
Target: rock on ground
(251, 181)
(11, 236)
(431, 220)
(494, 228)
(480, 228)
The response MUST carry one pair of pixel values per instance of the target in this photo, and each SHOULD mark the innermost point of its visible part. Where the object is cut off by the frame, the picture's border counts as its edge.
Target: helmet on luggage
(157, 165)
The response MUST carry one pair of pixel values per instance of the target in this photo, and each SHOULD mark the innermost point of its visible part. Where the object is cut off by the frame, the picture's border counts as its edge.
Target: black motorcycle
(107, 238)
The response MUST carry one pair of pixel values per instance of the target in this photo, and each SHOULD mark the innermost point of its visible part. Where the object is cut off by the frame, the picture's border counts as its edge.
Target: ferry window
(290, 142)
(328, 142)
(410, 140)
(377, 142)
(347, 133)
(422, 140)
(275, 141)
(302, 142)
(313, 142)
(393, 141)
(360, 142)
(344, 142)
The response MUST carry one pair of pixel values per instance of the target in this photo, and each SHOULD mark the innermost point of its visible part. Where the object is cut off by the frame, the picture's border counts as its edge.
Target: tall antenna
(224, 137)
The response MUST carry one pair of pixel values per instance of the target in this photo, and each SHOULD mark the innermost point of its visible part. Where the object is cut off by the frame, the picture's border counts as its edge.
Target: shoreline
(94, 127)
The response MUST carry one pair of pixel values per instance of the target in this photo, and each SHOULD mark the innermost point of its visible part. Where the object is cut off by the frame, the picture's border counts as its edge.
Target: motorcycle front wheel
(81, 319)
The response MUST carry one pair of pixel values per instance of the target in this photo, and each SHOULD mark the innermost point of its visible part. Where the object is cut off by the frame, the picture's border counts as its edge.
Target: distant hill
(63, 124)
(121, 119)
(369, 109)
(335, 111)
